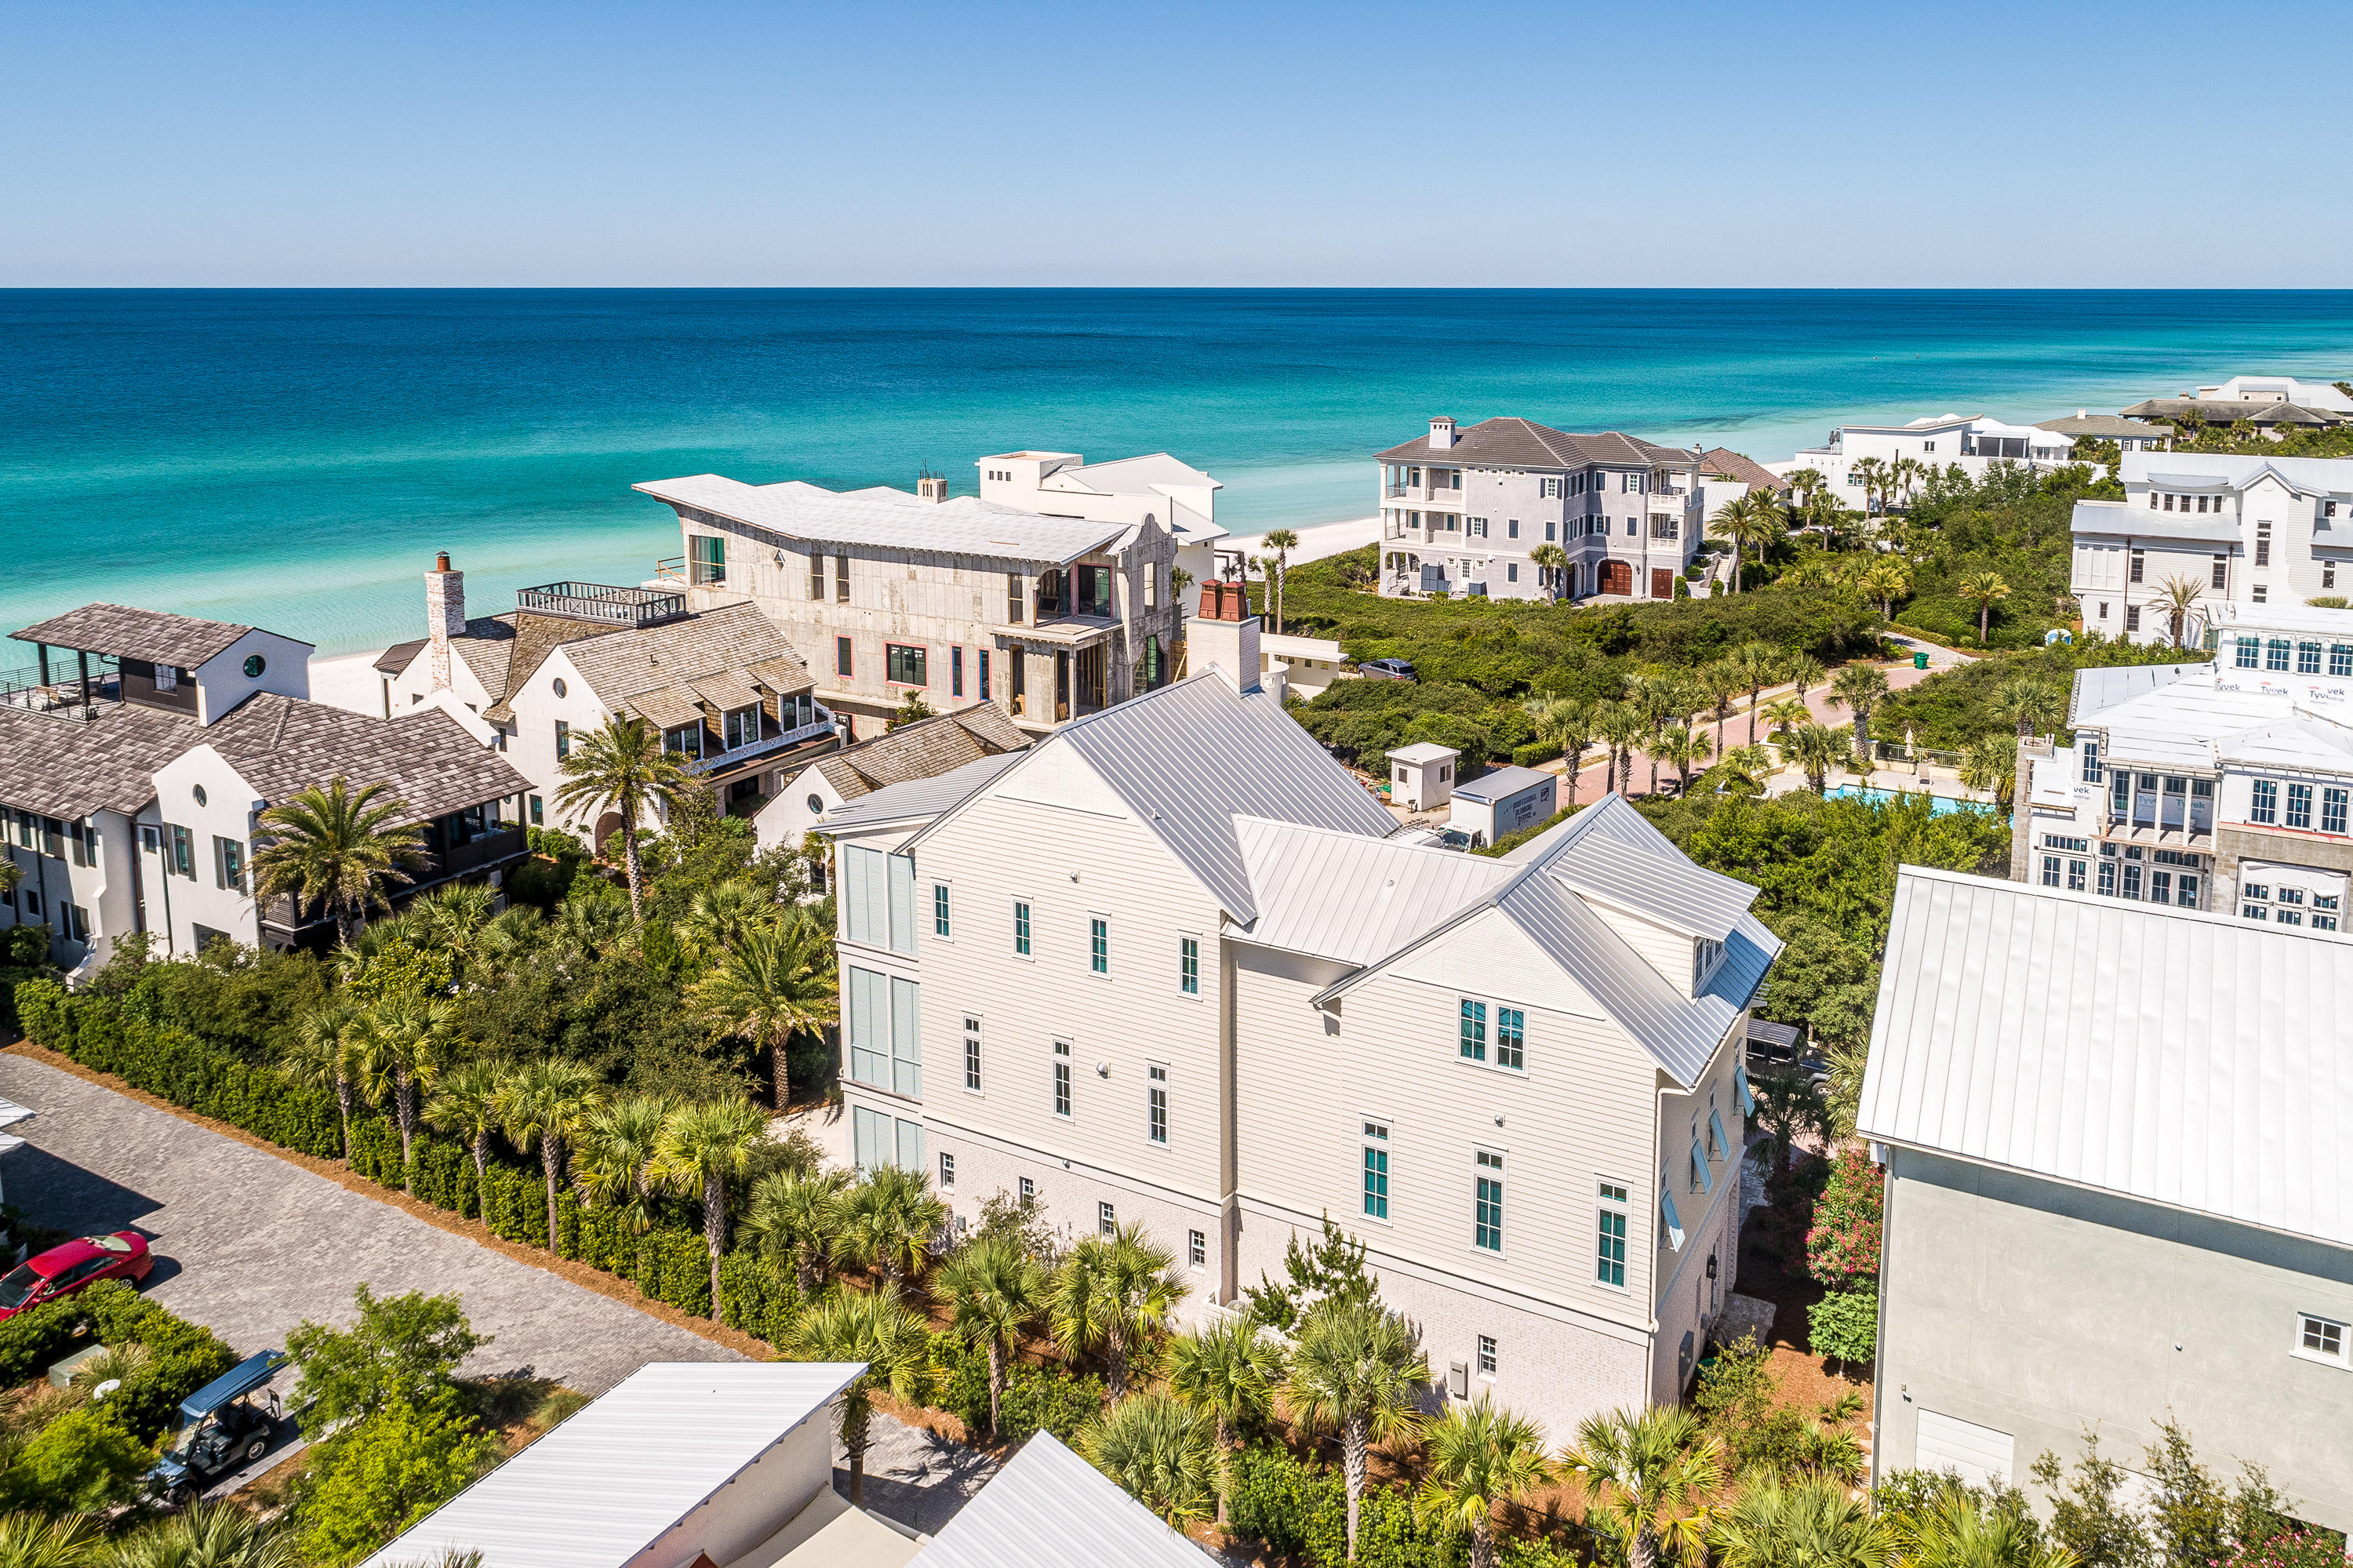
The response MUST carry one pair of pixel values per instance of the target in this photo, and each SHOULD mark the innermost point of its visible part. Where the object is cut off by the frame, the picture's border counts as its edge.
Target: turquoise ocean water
(293, 458)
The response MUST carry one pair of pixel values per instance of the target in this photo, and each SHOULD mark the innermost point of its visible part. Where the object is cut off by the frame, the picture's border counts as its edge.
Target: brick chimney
(1225, 635)
(1441, 432)
(445, 615)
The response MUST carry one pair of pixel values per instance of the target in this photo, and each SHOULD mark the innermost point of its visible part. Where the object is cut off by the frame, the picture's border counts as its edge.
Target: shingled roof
(61, 768)
(129, 632)
(924, 749)
(619, 665)
(1514, 442)
(2185, 408)
(282, 745)
(1740, 466)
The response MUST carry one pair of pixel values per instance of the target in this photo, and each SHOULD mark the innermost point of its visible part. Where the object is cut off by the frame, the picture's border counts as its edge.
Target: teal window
(2307, 658)
(708, 559)
(538, 812)
(1061, 1077)
(1021, 929)
(972, 1054)
(2299, 805)
(2332, 811)
(939, 909)
(2249, 652)
(1188, 964)
(907, 666)
(2276, 653)
(562, 740)
(1487, 1222)
(2264, 807)
(1098, 945)
(2340, 659)
(1473, 1040)
(1376, 1170)
(1511, 1037)
(1611, 1266)
(1157, 1106)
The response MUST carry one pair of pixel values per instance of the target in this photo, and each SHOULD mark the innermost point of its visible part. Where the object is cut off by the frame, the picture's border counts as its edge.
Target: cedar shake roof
(129, 632)
(924, 749)
(619, 665)
(2103, 427)
(1741, 466)
(396, 658)
(1523, 443)
(427, 760)
(61, 768)
(2225, 413)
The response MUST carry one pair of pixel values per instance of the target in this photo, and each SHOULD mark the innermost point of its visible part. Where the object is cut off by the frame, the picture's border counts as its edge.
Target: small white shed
(1499, 803)
(1421, 776)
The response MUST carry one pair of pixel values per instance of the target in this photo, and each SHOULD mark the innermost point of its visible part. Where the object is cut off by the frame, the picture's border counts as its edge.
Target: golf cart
(221, 1427)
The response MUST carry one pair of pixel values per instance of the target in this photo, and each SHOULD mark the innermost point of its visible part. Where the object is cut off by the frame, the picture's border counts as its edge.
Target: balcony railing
(65, 694)
(712, 761)
(603, 603)
(506, 844)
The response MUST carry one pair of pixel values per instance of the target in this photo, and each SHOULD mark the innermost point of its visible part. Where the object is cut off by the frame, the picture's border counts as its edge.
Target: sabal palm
(1477, 1458)
(1760, 666)
(1355, 1368)
(1806, 482)
(1817, 748)
(700, 1146)
(1649, 1476)
(1553, 561)
(1683, 749)
(870, 1326)
(1784, 713)
(1747, 767)
(1886, 580)
(615, 1153)
(2178, 595)
(722, 917)
(623, 767)
(800, 1218)
(1790, 1105)
(1958, 1533)
(338, 848)
(889, 1219)
(1812, 1523)
(2029, 704)
(1753, 520)
(1229, 1370)
(208, 1535)
(1159, 1449)
(993, 1291)
(1859, 688)
(1570, 726)
(1873, 473)
(1723, 681)
(453, 920)
(1990, 763)
(1984, 589)
(466, 1102)
(319, 1054)
(1621, 726)
(778, 981)
(1113, 1293)
(1281, 541)
(540, 1106)
(401, 1046)
(37, 1540)
(1802, 671)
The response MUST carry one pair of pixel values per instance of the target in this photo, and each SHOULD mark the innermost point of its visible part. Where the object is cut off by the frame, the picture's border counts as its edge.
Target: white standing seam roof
(881, 518)
(1615, 863)
(2195, 1061)
(2196, 720)
(1349, 897)
(2138, 519)
(1049, 1509)
(613, 1478)
(2309, 476)
(919, 798)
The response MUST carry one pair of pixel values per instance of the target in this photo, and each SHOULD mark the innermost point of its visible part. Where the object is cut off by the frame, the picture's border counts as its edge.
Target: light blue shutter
(865, 897)
(911, 1145)
(1667, 1215)
(869, 1027)
(903, 902)
(871, 1137)
(1699, 1168)
(1715, 1126)
(1747, 1096)
(906, 1038)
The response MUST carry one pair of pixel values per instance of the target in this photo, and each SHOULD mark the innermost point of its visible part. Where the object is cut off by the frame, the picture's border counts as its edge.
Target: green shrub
(1274, 1496)
(1844, 1325)
(182, 1356)
(1535, 753)
(371, 1481)
(82, 1462)
(758, 1296)
(1046, 1399)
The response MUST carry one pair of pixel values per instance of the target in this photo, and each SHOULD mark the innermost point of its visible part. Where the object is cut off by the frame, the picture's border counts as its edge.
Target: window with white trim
(1609, 1264)
(1106, 1221)
(947, 1169)
(1375, 1170)
(1189, 965)
(1156, 1109)
(972, 1054)
(2321, 1339)
(1487, 1203)
(940, 923)
(1061, 1077)
(1026, 1188)
(1196, 1249)
(1487, 1355)
(1471, 1037)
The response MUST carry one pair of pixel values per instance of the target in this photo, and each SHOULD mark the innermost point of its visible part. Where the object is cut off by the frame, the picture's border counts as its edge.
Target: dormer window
(1706, 954)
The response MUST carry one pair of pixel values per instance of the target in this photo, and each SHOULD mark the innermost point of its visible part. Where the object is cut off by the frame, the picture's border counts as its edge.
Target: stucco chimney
(1441, 432)
(930, 486)
(1229, 646)
(2083, 413)
(445, 615)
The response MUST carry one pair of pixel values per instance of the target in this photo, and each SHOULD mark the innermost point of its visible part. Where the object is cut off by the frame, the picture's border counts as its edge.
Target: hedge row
(174, 1066)
(1302, 1512)
(182, 1356)
(1037, 1399)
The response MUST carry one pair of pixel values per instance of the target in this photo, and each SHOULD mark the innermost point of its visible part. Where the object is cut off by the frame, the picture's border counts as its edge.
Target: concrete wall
(1504, 500)
(227, 812)
(106, 891)
(2036, 1308)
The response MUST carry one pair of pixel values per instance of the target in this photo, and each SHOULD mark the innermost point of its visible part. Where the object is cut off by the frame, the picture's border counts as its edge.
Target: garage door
(1981, 1456)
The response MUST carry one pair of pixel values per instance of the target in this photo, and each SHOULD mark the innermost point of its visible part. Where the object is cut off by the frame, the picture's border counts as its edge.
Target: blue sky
(1499, 144)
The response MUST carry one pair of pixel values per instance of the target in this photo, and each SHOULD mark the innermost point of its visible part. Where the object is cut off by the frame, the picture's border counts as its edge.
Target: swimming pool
(1938, 805)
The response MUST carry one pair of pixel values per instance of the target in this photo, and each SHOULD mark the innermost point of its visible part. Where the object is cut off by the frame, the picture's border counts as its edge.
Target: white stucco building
(2320, 395)
(2252, 531)
(1971, 442)
(1220, 992)
(1463, 510)
(1155, 488)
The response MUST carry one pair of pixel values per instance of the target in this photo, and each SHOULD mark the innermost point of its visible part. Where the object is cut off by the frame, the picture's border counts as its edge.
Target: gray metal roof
(886, 519)
(1351, 897)
(1499, 783)
(2311, 476)
(1625, 862)
(2104, 686)
(1049, 1509)
(2196, 1061)
(919, 799)
(2136, 518)
(612, 1480)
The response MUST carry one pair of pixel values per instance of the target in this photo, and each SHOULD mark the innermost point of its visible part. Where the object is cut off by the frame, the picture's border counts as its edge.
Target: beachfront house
(2130, 435)
(1725, 476)
(1969, 442)
(2208, 528)
(1463, 510)
(1155, 487)
(2271, 406)
(1238, 997)
(2117, 1189)
(2226, 786)
(139, 749)
(895, 598)
(924, 749)
(720, 685)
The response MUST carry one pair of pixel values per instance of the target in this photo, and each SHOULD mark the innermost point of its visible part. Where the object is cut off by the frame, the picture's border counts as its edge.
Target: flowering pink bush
(2296, 1549)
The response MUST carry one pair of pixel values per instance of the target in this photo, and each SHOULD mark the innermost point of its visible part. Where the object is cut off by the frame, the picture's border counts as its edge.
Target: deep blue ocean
(293, 457)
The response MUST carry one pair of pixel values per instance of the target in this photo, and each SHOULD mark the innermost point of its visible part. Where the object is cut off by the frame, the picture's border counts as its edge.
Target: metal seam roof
(882, 518)
(915, 797)
(1049, 1509)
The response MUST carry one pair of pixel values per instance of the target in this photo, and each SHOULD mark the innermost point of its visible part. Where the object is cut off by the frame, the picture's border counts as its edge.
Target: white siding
(1981, 1456)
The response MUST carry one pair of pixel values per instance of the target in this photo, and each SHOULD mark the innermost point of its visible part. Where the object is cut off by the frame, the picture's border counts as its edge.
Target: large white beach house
(1462, 512)
(1236, 999)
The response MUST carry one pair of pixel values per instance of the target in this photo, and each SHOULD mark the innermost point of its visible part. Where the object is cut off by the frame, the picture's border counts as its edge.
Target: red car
(62, 1270)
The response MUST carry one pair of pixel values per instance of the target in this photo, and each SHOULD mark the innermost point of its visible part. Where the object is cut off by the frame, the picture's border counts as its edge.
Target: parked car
(64, 1269)
(223, 1426)
(1778, 1047)
(1386, 669)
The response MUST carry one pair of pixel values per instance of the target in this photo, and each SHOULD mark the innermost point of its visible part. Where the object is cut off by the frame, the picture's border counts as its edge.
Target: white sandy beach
(348, 681)
(1315, 544)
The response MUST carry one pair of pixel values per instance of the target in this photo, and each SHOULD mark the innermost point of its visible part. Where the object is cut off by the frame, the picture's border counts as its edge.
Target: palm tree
(776, 982)
(337, 849)
(319, 1054)
(1806, 482)
(1113, 1293)
(1887, 579)
(1649, 1476)
(1553, 561)
(993, 1290)
(700, 1148)
(1984, 589)
(2178, 595)
(466, 1102)
(206, 1535)
(1754, 519)
(1875, 475)
(1745, 767)
(1479, 1456)
(35, 1540)
(1859, 688)
(453, 920)
(401, 1045)
(1158, 1448)
(1817, 748)
(800, 1218)
(623, 767)
(1620, 725)
(1783, 714)
(1905, 475)
(1355, 1367)
(1958, 1533)
(1228, 1370)
(870, 1326)
(1788, 1106)
(1802, 671)
(1760, 666)
(1571, 726)
(1281, 541)
(1723, 681)
(542, 1104)
(723, 915)
(1990, 763)
(1684, 748)
(2029, 704)
(889, 1219)
(616, 1153)
(1814, 1523)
